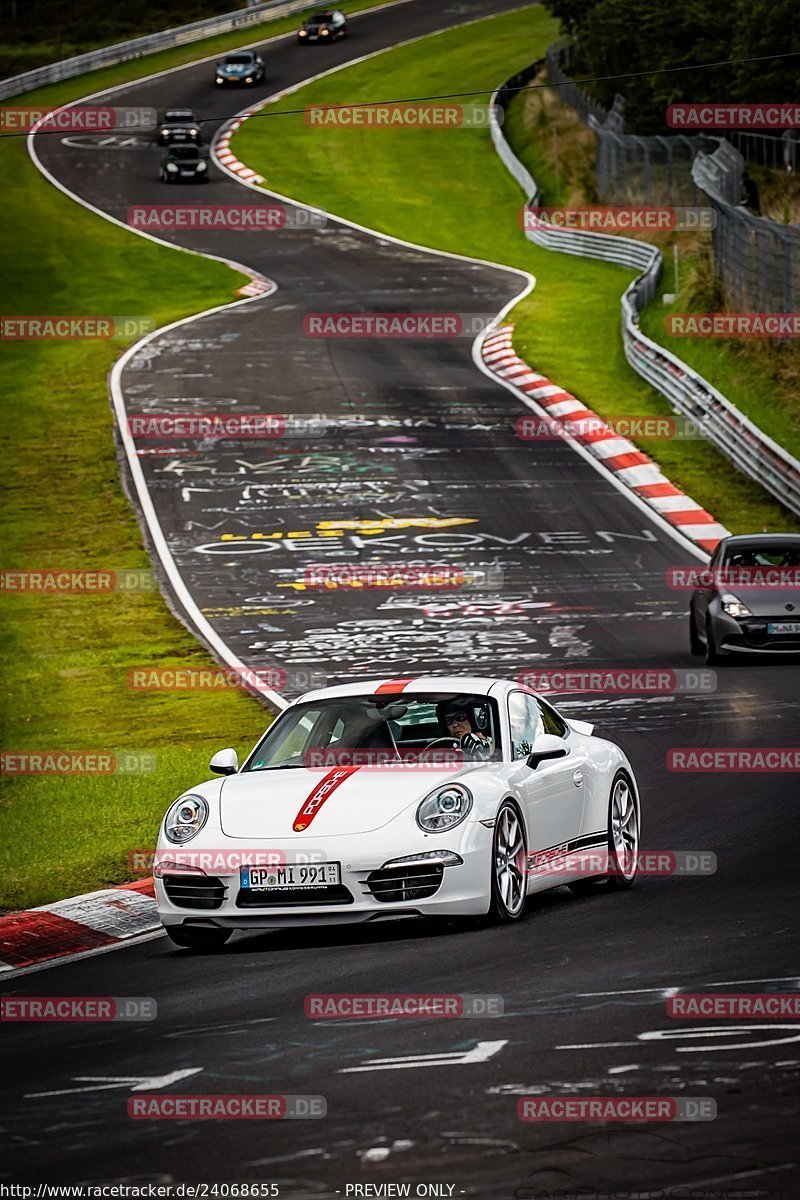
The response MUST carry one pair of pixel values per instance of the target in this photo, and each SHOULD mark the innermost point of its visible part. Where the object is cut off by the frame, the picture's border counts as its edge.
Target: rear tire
(199, 940)
(624, 827)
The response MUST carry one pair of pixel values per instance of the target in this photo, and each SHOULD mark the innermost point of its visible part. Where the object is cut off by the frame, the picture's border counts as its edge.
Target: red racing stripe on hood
(314, 802)
(392, 685)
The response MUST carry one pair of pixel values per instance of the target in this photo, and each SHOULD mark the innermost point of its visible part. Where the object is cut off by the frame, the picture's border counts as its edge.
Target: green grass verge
(759, 378)
(447, 189)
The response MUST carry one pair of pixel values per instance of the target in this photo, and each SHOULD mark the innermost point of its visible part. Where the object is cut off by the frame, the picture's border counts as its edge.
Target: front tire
(509, 866)
(624, 825)
(695, 645)
(713, 656)
(199, 940)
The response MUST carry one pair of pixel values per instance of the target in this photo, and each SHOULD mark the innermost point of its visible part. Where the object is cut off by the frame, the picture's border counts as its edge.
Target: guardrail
(721, 423)
(108, 56)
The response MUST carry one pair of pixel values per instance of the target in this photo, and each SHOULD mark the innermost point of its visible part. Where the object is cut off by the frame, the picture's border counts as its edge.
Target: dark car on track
(244, 67)
(749, 598)
(323, 27)
(178, 125)
(184, 164)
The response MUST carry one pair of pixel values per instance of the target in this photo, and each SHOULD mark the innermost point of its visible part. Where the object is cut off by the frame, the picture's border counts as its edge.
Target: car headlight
(444, 807)
(171, 167)
(325, 32)
(219, 79)
(185, 819)
(733, 606)
(303, 33)
(202, 165)
(194, 132)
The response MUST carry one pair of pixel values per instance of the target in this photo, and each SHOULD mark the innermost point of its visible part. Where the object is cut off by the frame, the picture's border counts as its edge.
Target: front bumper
(368, 891)
(749, 635)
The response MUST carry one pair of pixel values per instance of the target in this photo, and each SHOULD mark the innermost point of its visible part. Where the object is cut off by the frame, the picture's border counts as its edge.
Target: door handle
(577, 777)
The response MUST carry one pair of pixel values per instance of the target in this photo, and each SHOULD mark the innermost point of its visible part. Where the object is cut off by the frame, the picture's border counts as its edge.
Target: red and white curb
(258, 286)
(618, 455)
(94, 921)
(222, 150)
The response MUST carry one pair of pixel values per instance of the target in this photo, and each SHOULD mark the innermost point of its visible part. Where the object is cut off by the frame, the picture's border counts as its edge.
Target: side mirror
(546, 746)
(225, 762)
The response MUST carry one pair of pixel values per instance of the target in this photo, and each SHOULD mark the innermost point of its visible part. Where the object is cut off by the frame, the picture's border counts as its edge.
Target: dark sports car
(323, 27)
(244, 67)
(750, 599)
(184, 164)
(178, 125)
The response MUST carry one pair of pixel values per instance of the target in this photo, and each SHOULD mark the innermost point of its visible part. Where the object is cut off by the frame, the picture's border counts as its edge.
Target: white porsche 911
(454, 797)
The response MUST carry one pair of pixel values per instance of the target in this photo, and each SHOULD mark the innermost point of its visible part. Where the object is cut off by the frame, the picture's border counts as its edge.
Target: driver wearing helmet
(460, 719)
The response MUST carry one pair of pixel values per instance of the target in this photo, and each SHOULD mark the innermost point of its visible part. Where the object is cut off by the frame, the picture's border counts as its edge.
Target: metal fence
(746, 446)
(761, 150)
(757, 260)
(108, 56)
(647, 170)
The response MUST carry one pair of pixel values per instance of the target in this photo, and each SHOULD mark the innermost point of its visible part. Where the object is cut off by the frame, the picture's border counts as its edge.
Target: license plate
(783, 627)
(293, 875)
(189, 173)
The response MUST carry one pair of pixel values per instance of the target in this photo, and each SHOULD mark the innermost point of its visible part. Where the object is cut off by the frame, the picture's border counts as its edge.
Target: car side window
(525, 721)
(552, 721)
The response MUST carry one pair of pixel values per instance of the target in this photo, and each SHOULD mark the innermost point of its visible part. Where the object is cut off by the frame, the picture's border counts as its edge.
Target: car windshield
(185, 153)
(383, 728)
(179, 114)
(320, 19)
(238, 60)
(766, 555)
